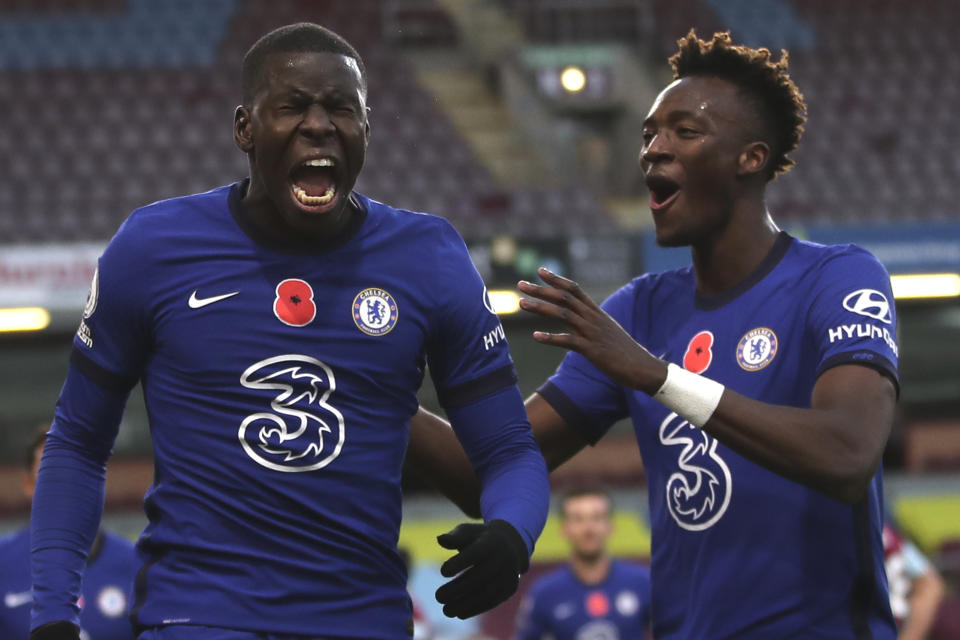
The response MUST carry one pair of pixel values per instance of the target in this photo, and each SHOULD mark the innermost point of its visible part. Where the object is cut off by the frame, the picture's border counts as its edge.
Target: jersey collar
(780, 247)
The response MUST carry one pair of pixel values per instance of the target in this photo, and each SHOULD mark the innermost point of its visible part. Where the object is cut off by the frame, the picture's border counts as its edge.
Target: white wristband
(693, 397)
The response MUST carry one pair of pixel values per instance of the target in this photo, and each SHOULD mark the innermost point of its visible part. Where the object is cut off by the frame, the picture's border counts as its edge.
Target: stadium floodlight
(925, 285)
(24, 319)
(504, 301)
(573, 79)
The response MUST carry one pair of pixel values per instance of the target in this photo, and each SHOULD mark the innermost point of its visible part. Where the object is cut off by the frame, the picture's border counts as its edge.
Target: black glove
(492, 557)
(60, 630)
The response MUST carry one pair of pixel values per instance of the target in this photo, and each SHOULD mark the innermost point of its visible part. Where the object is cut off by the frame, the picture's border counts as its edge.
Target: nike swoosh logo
(14, 600)
(195, 303)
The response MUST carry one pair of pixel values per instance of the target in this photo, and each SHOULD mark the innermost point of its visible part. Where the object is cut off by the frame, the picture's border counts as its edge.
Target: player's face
(692, 139)
(306, 135)
(587, 525)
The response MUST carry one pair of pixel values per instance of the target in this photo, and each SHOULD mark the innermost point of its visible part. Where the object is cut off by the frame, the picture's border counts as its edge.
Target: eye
(647, 137)
(688, 132)
(289, 106)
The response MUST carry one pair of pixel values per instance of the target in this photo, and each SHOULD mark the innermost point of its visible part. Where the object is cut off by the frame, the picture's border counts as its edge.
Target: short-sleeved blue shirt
(737, 550)
(562, 607)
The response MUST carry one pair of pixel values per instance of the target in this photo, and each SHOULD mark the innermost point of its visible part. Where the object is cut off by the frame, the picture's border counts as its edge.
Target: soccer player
(107, 591)
(916, 587)
(761, 380)
(280, 327)
(594, 596)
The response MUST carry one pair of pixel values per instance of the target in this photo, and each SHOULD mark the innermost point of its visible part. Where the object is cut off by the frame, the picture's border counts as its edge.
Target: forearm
(67, 507)
(833, 446)
(68, 501)
(814, 447)
(924, 604)
(436, 456)
(497, 439)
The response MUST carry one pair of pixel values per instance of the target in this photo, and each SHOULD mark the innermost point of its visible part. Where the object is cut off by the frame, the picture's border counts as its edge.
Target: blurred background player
(916, 587)
(761, 429)
(594, 595)
(107, 593)
(281, 326)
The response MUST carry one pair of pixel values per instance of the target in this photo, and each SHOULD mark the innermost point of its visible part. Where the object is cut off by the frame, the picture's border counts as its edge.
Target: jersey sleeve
(112, 342)
(467, 352)
(585, 397)
(108, 354)
(853, 319)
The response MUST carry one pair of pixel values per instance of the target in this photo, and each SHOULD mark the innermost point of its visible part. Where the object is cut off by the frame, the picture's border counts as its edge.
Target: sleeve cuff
(866, 358)
(569, 411)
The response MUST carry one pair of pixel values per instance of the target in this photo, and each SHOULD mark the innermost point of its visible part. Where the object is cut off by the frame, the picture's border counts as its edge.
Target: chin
(674, 239)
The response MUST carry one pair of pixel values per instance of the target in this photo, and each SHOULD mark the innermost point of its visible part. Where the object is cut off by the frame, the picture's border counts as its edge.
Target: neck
(299, 233)
(733, 252)
(591, 570)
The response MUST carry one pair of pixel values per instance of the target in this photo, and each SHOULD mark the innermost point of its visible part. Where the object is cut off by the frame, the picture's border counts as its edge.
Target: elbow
(852, 476)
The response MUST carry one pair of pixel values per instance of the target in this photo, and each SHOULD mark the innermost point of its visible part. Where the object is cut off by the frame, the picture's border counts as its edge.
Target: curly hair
(765, 83)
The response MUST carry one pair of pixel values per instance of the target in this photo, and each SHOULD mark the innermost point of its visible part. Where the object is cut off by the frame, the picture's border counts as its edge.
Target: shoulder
(417, 221)
(551, 582)
(631, 568)
(631, 572)
(168, 219)
(15, 544)
(836, 258)
(118, 544)
(652, 288)
(164, 210)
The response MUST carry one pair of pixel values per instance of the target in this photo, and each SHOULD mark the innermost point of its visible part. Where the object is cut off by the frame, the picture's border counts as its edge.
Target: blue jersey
(105, 599)
(279, 389)
(737, 550)
(561, 607)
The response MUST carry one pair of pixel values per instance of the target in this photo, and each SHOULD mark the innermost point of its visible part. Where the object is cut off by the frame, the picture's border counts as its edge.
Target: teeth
(319, 162)
(326, 198)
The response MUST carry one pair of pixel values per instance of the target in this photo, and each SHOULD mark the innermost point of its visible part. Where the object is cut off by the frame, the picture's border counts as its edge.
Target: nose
(655, 150)
(316, 122)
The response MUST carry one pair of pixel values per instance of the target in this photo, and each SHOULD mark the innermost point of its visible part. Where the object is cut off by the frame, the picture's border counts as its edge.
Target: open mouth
(314, 183)
(663, 191)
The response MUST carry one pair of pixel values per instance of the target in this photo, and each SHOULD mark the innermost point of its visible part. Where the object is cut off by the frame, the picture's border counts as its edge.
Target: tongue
(314, 182)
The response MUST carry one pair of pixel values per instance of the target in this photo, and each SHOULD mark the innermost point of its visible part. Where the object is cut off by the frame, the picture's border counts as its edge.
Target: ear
(366, 127)
(242, 133)
(27, 485)
(753, 159)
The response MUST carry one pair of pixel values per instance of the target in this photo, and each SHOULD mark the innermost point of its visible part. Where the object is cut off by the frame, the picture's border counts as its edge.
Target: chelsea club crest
(375, 311)
(756, 349)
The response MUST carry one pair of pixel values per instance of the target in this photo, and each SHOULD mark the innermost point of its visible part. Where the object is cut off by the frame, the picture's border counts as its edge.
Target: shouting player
(594, 596)
(107, 591)
(280, 327)
(761, 380)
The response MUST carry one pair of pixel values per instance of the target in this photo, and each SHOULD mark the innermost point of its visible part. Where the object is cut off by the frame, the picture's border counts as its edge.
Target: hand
(60, 630)
(593, 333)
(492, 557)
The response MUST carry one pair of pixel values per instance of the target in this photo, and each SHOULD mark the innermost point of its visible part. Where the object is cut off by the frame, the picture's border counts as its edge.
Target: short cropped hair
(36, 442)
(301, 37)
(580, 491)
(765, 83)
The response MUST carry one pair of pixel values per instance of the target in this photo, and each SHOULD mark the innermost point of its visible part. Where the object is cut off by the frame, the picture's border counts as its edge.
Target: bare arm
(435, 454)
(835, 446)
(926, 594)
